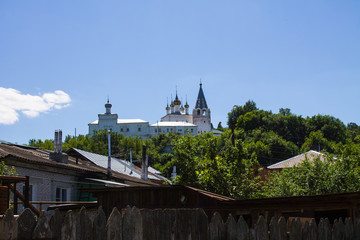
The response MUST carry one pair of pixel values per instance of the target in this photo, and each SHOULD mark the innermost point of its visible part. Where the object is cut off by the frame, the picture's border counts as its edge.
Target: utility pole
(109, 154)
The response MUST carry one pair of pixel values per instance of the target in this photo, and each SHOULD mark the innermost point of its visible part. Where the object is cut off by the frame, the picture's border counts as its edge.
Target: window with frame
(61, 195)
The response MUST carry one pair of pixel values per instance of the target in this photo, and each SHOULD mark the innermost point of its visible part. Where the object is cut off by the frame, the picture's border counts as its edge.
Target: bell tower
(201, 113)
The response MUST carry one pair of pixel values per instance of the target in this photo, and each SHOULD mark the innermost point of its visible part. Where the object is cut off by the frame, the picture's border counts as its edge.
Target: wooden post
(26, 193)
(15, 201)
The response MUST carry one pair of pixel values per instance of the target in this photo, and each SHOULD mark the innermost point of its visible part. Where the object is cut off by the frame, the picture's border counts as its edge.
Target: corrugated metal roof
(117, 164)
(288, 163)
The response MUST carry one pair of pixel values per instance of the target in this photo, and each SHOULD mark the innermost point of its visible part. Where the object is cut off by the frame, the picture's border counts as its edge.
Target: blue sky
(60, 60)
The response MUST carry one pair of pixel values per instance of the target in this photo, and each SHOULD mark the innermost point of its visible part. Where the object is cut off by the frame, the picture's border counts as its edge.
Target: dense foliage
(231, 164)
(6, 170)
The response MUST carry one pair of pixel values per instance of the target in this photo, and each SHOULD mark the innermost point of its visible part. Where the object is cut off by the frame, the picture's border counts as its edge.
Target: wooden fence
(166, 224)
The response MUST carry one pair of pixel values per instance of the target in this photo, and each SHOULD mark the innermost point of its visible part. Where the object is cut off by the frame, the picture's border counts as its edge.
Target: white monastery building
(177, 120)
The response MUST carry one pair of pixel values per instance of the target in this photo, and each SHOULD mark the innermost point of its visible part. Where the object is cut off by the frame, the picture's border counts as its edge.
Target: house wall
(44, 184)
(177, 118)
(181, 130)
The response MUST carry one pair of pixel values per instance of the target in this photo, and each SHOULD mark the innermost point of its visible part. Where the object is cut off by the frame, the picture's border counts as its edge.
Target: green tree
(7, 171)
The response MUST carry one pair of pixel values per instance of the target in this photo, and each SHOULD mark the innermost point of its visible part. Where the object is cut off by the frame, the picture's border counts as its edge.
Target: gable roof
(40, 157)
(288, 163)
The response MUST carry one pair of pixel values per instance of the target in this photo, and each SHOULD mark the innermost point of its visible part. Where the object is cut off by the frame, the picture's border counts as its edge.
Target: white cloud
(13, 101)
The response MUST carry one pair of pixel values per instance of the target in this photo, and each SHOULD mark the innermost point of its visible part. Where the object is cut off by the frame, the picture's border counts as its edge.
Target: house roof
(288, 163)
(124, 121)
(118, 165)
(172, 124)
(201, 102)
(40, 157)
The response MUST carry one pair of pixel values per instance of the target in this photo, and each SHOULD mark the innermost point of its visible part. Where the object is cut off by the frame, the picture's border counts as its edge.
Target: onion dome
(177, 101)
(186, 105)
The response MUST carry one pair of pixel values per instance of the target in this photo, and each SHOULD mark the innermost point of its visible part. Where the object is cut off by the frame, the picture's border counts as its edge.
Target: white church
(177, 120)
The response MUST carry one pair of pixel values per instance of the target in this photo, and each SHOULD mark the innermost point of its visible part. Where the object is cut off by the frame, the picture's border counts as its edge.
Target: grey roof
(118, 165)
(288, 163)
(201, 102)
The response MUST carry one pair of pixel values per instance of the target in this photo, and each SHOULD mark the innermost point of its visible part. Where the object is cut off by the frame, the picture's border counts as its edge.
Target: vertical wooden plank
(349, 229)
(261, 229)
(312, 234)
(185, 223)
(243, 229)
(170, 222)
(114, 225)
(132, 224)
(357, 228)
(26, 224)
(306, 231)
(150, 224)
(217, 227)
(274, 229)
(42, 229)
(68, 228)
(295, 229)
(338, 232)
(84, 232)
(232, 229)
(15, 200)
(282, 228)
(8, 226)
(202, 225)
(99, 225)
(56, 222)
(26, 194)
(324, 231)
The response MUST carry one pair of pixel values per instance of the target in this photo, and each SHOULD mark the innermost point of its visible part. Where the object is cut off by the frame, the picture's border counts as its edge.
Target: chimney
(173, 174)
(144, 164)
(57, 155)
(60, 141)
(56, 141)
